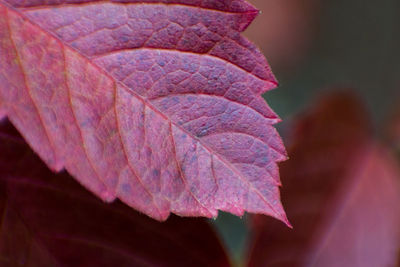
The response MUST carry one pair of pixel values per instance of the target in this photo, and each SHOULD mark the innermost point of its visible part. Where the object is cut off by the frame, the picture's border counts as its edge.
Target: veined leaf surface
(157, 103)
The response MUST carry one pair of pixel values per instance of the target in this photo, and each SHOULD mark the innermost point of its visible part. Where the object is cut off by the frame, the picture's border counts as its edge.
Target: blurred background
(315, 46)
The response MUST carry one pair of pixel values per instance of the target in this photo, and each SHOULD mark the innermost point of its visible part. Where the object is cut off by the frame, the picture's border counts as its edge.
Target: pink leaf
(157, 103)
(341, 194)
(49, 220)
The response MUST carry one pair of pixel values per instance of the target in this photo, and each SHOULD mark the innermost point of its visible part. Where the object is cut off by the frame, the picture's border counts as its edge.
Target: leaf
(157, 103)
(341, 194)
(49, 220)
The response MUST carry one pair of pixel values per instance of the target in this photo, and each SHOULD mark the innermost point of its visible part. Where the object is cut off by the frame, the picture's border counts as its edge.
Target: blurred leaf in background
(50, 220)
(341, 194)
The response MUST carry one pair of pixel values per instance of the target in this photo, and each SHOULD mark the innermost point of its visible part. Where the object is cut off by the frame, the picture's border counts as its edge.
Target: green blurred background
(315, 46)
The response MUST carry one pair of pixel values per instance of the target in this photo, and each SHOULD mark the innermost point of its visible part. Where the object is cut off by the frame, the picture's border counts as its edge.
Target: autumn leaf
(49, 220)
(157, 103)
(341, 194)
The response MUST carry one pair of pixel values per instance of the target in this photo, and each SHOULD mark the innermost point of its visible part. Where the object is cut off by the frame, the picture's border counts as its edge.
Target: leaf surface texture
(157, 103)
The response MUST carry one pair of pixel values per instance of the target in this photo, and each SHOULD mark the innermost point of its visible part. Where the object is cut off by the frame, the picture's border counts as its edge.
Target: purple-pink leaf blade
(157, 103)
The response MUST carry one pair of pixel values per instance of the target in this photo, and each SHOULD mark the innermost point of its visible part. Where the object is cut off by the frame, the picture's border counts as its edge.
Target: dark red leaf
(341, 194)
(49, 220)
(157, 103)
